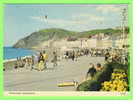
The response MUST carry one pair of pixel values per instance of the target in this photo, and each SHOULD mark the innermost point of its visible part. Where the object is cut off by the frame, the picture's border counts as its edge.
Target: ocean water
(12, 53)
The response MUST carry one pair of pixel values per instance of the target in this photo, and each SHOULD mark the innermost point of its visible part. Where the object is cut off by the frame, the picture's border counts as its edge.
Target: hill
(43, 35)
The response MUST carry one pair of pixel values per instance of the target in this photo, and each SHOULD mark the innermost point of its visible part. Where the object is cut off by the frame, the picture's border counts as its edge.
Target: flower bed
(118, 82)
(107, 76)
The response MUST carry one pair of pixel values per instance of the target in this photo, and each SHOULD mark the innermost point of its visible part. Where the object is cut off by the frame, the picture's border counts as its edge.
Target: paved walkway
(67, 70)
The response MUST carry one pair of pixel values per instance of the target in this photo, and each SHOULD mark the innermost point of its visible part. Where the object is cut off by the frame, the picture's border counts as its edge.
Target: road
(67, 70)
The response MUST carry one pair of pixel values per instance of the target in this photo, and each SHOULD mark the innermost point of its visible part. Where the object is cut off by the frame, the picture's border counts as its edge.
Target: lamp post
(123, 33)
(123, 25)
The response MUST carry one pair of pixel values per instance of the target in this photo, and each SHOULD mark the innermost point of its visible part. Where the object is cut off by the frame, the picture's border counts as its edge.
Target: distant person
(32, 62)
(107, 55)
(91, 71)
(26, 63)
(16, 66)
(54, 59)
(76, 56)
(45, 56)
(32, 58)
(20, 62)
(41, 62)
(35, 61)
(41, 57)
(73, 55)
(67, 54)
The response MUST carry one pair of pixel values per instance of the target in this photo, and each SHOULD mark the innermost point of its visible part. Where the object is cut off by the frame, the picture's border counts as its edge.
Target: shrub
(90, 85)
(101, 76)
(95, 83)
(105, 74)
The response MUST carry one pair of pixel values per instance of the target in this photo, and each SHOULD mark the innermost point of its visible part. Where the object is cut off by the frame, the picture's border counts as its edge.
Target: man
(91, 71)
(45, 56)
(66, 55)
(73, 55)
(107, 55)
(54, 59)
(32, 62)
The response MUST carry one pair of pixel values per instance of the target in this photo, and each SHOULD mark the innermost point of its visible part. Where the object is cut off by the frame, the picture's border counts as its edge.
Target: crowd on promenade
(39, 62)
(115, 55)
(111, 56)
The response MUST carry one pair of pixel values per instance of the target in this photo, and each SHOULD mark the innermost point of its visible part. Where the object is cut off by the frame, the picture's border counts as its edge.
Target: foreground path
(47, 80)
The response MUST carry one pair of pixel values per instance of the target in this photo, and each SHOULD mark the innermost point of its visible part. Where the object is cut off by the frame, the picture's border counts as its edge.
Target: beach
(11, 54)
(9, 64)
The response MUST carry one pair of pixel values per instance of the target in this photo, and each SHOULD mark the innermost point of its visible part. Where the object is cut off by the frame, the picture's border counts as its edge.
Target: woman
(26, 63)
(40, 62)
(41, 58)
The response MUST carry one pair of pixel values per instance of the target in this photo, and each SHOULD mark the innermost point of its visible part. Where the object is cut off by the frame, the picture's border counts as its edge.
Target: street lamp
(123, 33)
(123, 25)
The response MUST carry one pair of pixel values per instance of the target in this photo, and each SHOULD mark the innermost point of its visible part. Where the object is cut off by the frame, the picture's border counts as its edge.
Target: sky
(21, 20)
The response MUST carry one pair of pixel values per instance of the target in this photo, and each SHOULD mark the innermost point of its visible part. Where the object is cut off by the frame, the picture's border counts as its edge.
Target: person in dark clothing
(107, 56)
(41, 58)
(32, 62)
(54, 59)
(91, 71)
(67, 54)
(73, 55)
(16, 66)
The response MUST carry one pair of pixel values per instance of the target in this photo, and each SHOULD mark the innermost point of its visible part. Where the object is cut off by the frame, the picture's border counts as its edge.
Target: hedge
(100, 77)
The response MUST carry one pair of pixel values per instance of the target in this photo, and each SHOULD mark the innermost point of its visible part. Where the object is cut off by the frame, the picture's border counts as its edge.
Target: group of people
(27, 62)
(93, 70)
(110, 54)
(74, 54)
(117, 55)
(38, 62)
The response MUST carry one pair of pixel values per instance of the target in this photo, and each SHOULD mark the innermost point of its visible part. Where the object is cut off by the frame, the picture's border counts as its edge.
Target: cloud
(110, 8)
(39, 18)
(59, 21)
(69, 24)
(79, 23)
(96, 18)
(90, 18)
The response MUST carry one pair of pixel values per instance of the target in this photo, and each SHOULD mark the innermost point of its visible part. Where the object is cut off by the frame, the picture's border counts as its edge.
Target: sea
(13, 53)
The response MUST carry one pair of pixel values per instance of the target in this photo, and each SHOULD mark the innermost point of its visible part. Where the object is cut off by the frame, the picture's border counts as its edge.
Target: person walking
(40, 62)
(45, 56)
(54, 59)
(73, 55)
(107, 55)
(91, 72)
